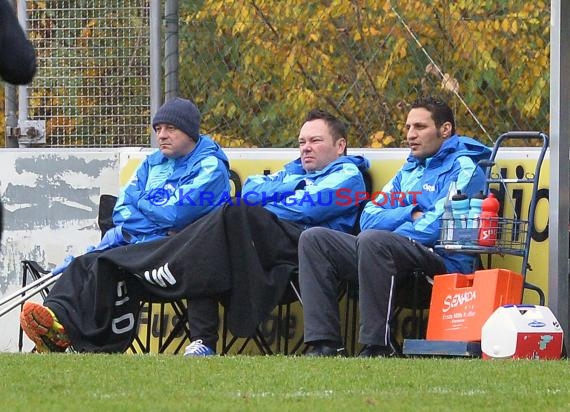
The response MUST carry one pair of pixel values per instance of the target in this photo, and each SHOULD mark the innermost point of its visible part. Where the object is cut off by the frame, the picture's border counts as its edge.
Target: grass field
(61, 382)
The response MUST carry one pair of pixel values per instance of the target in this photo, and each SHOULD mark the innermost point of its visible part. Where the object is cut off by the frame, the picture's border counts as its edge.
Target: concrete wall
(50, 207)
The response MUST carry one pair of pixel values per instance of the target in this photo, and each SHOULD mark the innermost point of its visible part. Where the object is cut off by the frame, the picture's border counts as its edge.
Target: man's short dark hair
(337, 127)
(440, 111)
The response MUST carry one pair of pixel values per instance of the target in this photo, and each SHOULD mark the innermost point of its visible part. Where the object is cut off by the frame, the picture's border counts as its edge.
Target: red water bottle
(489, 221)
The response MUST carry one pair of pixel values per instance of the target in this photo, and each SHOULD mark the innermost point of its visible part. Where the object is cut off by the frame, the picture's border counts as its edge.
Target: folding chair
(412, 303)
(33, 270)
(278, 334)
(172, 341)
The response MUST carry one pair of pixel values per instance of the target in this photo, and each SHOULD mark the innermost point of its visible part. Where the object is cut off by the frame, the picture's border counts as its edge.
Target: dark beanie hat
(180, 113)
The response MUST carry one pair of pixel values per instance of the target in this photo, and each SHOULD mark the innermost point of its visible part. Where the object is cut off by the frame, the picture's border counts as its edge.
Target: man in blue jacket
(399, 229)
(166, 193)
(162, 198)
(275, 209)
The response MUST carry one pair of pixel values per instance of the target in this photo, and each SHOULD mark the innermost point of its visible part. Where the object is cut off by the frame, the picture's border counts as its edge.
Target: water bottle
(447, 217)
(460, 208)
(489, 221)
(475, 209)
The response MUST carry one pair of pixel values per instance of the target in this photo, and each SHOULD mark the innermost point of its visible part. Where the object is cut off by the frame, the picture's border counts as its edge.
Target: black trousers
(244, 253)
(203, 320)
(272, 246)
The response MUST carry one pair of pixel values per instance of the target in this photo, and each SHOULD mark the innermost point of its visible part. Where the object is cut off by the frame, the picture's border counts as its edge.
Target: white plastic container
(522, 331)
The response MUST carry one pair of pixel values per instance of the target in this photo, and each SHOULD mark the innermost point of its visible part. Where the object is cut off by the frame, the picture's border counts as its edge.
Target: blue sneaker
(197, 348)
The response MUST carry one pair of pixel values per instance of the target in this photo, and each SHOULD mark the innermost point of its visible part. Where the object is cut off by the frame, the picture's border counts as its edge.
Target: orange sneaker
(43, 328)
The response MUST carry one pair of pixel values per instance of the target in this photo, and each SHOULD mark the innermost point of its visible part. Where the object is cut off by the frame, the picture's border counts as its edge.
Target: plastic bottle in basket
(460, 207)
(447, 217)
(475, 209)
(489, 221)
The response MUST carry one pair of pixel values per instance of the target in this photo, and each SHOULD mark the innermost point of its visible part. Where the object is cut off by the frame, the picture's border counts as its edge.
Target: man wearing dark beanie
(165, 195)
(182, 113)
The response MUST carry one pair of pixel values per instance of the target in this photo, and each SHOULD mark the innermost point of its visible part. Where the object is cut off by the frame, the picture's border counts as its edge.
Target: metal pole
(155, 63)
(10, 114)
(559, 161)
(31, 292)
(171, 16)
(41, 282)
(22, 90)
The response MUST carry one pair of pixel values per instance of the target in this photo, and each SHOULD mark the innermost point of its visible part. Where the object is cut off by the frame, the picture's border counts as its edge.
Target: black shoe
(321, 349)
(377, 351)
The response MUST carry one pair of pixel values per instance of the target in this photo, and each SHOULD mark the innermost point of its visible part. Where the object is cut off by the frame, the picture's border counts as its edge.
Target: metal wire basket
(466, 236)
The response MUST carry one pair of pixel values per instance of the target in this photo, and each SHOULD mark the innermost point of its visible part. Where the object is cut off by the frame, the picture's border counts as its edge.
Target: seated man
(300, 196)
(396, 237)
(164, 196)
(242, 253)
(156, 202)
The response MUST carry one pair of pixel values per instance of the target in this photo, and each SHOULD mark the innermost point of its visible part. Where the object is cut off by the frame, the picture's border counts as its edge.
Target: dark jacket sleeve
(17, 54)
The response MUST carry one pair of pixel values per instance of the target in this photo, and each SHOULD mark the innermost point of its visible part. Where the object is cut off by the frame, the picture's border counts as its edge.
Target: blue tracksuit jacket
(456, 161)
(168, 194)
(311, 199)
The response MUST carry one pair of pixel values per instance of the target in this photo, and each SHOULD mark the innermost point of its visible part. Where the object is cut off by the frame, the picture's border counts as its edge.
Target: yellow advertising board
(282, 337)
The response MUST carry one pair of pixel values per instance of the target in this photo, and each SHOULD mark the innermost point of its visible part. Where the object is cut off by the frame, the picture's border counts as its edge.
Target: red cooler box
(460, 304)
(522, 331)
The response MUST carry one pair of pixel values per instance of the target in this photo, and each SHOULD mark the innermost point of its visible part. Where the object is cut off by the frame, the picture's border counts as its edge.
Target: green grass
(61, 382)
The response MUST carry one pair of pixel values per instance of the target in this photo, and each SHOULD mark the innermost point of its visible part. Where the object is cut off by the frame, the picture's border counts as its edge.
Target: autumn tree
(256, 67)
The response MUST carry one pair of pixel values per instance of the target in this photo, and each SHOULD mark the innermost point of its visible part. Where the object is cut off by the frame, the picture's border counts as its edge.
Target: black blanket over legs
(244, 252)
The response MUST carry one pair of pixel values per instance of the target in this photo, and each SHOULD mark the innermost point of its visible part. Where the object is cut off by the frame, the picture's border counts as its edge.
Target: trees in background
(255, 67)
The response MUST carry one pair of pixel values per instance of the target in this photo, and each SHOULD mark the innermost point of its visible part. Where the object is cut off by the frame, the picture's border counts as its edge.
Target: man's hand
(113, 237)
